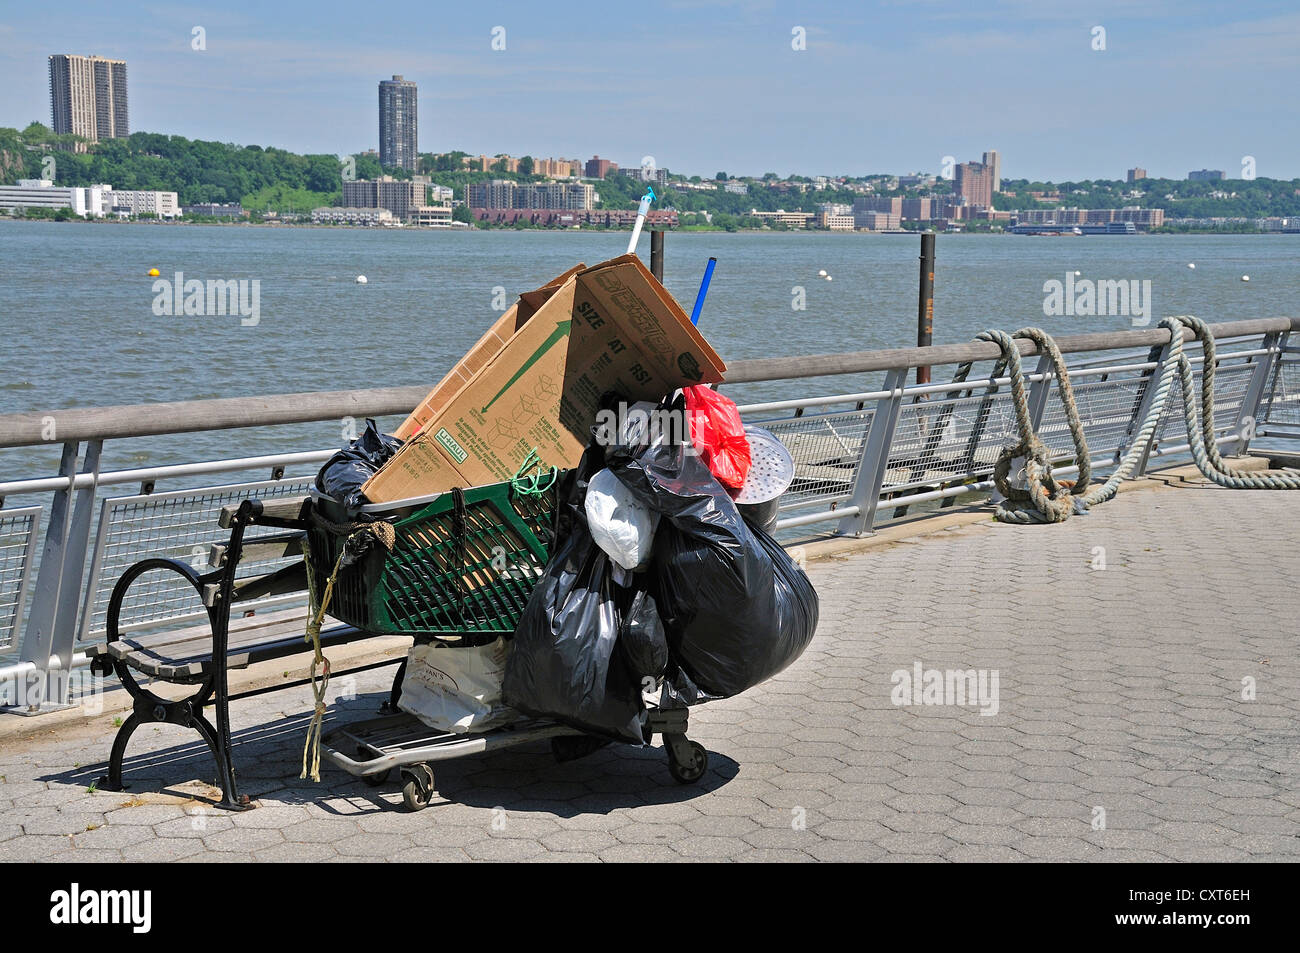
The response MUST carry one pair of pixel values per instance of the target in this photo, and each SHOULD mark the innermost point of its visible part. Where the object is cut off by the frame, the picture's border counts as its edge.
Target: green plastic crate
(474, 588)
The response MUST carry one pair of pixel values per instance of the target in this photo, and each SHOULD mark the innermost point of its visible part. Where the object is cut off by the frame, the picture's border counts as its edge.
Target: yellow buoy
(154, 272)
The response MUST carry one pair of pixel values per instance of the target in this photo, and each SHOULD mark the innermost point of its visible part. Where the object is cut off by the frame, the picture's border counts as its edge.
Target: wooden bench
(202, 655)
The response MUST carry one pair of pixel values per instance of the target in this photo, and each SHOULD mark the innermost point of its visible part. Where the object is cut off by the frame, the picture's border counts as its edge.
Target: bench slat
(189, 657)
(286, 508)
(260, 550)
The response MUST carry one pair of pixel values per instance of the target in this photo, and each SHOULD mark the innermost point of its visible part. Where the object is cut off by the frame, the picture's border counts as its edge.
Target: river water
(79, 325)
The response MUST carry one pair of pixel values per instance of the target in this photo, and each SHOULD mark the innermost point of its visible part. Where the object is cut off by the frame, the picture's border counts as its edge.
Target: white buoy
(1191, 265)
(1245, 277)
(822, 273)
(361, 279)
(1077, 274)
(828, 278)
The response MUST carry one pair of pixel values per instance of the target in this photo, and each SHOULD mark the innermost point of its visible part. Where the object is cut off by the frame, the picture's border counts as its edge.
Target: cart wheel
(377, 780)
(688, 772)
(417, 792)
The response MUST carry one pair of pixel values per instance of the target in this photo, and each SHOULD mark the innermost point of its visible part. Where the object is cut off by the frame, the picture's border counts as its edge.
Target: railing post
(38, 633)
(865, 494)
(74, 567)
(52, 624)
(1248, 419)
(1039, 391)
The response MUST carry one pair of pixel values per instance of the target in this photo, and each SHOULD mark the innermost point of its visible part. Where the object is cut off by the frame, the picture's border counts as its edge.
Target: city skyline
(882, 90)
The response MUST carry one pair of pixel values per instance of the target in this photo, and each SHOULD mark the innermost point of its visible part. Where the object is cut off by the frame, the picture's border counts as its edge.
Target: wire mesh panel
(826, 448)
(1283, 398)
(18, 532)
(1230, 383)
(951, 439)
(179, 525)
(1106, 410)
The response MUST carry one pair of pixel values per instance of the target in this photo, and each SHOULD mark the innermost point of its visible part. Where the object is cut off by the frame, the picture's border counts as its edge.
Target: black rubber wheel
(377, 780)
(417, 792)
(691, 771)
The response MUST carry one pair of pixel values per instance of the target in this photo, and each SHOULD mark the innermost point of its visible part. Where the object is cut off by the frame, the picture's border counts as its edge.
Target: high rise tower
(398, 124)
(88, 96)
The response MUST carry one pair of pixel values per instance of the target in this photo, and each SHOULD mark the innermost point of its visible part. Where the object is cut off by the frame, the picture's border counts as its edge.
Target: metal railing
(860, 458)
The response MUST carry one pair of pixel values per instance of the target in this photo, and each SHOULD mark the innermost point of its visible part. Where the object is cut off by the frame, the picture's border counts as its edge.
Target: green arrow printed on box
(559, 334)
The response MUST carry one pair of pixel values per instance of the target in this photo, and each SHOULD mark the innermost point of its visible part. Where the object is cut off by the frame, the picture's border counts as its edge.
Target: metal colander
(771, 468)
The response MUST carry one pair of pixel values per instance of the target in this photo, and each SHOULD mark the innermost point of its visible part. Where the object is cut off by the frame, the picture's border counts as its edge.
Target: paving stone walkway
(1147, 710)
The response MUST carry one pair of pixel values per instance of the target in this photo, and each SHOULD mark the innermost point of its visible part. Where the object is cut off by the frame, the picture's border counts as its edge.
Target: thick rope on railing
(1045, 499)
(362, 537)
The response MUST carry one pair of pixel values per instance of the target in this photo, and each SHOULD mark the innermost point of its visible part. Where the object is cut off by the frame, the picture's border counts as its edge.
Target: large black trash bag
(735, 607)
(343, 474)
(641, 638)
(565, 664)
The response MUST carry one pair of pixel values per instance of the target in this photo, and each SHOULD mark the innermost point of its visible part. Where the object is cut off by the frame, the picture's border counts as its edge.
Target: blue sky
(708, 86)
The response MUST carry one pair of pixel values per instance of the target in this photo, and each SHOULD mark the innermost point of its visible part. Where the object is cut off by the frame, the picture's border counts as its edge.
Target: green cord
(532, 484)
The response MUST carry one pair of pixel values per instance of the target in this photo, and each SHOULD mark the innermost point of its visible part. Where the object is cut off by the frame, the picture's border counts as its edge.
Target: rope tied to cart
(1045, 499)
(532, 478)
(361, 537)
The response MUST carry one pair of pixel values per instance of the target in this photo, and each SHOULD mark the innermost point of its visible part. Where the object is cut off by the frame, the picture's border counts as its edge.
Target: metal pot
(771, 472)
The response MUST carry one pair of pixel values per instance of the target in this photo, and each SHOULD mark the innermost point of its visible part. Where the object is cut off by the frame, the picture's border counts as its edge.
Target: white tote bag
(456, 689)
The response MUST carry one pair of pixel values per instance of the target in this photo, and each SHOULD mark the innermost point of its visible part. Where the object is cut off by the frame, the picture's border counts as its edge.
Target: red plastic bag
(718, 435)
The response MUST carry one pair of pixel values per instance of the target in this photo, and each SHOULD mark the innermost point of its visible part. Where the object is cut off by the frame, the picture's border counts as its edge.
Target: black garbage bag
(565, 663)
(735, 607)
(641, 639)
(343, 474)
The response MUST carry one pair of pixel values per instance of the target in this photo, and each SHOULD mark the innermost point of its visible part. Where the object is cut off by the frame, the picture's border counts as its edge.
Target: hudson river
(78, 321)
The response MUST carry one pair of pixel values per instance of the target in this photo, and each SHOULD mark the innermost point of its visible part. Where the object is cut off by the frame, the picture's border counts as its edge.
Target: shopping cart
(460, 569)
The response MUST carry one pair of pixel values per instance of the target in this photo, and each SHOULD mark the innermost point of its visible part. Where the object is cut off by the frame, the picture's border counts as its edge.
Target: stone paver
(1144, 712)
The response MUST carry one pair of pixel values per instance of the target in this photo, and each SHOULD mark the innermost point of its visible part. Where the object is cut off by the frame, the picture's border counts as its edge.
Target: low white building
(141, 201)
(84, 200)
(435, 216)
(352, 216)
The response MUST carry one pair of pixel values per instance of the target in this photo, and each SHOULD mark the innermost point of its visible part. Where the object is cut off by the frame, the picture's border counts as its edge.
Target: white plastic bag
(456, 689)
(619, 525)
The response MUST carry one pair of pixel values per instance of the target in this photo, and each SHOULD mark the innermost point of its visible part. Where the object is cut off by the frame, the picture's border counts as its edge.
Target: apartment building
(505, 194)
(834, 222)
(352, 216)
(88, 96)
(598, 168)
(874, 221)
(399, 140)
(1140, 217)
(782, 217)
(973, 182)
(399, 196)
(917, 210)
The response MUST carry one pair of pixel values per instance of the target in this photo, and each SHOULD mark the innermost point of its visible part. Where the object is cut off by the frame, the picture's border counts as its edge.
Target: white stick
(641, 212)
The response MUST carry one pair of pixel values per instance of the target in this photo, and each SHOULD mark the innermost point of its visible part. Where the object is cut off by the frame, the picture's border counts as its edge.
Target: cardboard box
(480, 355)
(611, 327)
